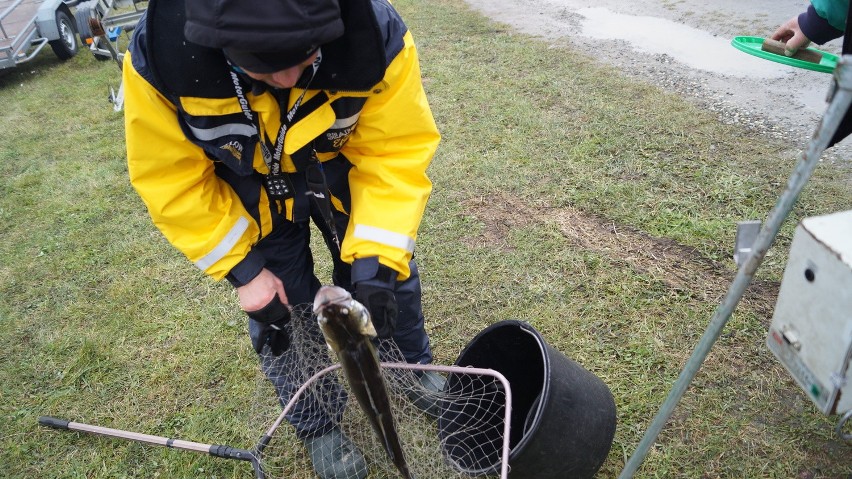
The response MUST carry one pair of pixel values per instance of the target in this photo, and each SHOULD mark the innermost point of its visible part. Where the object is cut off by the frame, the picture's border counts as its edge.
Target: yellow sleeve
(390, 150)
(195, 210)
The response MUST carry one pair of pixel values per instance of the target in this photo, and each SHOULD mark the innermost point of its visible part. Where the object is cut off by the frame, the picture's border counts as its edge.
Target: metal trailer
(26, 26)
(100, 23)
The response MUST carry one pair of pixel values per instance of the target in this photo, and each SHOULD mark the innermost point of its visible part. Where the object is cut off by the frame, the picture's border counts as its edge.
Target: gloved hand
(274, 317)
(381, 303)
(374, 286)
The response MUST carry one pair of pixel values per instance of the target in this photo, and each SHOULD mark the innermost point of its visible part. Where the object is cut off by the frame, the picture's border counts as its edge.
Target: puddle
(693, 47)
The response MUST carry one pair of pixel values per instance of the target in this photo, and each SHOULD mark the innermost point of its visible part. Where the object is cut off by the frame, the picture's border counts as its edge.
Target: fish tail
(393, 446)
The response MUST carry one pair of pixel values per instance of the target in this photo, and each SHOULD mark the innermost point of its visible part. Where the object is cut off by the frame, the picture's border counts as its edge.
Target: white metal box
(811, 330)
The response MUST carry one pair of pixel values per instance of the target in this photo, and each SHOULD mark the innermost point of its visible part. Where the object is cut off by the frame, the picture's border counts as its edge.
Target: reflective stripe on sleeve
(385, 237)
(225, 245)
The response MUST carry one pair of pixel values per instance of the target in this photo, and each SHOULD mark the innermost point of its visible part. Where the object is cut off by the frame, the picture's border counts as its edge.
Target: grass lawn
(600, 210)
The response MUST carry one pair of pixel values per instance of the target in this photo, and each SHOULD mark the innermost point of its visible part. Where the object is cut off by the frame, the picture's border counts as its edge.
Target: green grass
(101, 321)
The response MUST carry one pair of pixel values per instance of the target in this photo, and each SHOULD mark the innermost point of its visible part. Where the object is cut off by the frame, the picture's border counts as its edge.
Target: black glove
(374, 285)
(274, 317)
(381, 303)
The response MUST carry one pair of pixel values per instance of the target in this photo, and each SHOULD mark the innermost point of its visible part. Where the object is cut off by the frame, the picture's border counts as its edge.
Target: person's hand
(381, 303)
(267, 291)
(274, 318)
(258, 292)
(791, 34)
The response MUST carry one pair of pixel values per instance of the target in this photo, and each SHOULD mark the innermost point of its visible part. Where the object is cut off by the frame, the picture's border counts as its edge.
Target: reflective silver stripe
(385, 237)
(225, 245)
(207, 134)
(341, 123)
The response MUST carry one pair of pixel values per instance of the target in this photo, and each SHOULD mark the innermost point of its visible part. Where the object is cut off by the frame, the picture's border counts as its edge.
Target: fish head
(341, 318)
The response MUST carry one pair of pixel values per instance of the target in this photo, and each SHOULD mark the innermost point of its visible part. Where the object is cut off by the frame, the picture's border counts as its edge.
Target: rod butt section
(53, 422)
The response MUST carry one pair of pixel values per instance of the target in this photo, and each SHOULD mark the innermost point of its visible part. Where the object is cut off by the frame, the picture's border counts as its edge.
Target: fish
(348, 331)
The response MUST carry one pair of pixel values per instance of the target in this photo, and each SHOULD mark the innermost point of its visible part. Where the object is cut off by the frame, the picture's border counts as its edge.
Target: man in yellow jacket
(248, 119)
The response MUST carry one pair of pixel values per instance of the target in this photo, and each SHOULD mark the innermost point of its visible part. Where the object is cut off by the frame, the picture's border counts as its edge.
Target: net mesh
(462, 436)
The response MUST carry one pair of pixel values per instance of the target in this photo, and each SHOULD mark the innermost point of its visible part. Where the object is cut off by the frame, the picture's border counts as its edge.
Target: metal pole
(216, 450)
(840, 98)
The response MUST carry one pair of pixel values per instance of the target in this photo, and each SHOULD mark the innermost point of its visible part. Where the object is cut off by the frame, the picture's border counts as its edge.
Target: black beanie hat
(263, 35)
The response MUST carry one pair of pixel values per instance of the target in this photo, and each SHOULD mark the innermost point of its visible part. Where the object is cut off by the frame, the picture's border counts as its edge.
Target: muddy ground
(684, 46)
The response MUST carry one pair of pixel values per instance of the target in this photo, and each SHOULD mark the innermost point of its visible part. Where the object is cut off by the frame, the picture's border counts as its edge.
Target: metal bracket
(840, 424)
(747, 232)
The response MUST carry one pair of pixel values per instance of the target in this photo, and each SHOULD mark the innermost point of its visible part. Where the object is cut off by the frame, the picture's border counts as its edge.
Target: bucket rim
(544, 397)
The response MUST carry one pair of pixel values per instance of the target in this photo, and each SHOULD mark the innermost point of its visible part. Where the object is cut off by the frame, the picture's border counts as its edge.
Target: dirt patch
(681, 268)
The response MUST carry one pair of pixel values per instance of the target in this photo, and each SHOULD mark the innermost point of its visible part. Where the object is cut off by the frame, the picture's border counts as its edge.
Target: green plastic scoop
(753, 46)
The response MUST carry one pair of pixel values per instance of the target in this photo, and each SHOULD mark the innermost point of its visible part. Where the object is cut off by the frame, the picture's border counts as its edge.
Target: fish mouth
(328, 295)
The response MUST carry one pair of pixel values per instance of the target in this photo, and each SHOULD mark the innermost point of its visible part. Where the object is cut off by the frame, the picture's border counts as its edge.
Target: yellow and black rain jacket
(193, 152)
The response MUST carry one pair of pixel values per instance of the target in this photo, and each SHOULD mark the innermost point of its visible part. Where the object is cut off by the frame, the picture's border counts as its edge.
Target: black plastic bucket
(563, 416)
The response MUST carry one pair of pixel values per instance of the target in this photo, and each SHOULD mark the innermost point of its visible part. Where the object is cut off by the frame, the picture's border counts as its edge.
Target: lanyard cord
(314, 175)
(273, 160)
(318, 190)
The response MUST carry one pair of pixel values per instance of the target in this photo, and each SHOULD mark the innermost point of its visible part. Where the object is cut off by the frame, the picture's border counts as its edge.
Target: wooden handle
(774, 46)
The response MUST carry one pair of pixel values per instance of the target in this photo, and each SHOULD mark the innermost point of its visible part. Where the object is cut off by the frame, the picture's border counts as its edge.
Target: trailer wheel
(66, 46)
(85, 14)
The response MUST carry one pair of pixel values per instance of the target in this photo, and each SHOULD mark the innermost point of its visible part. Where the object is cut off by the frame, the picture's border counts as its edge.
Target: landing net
(464, 436)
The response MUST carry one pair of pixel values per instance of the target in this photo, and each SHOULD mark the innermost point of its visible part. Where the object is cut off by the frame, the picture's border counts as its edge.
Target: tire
(66, 46)
(84, 13)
